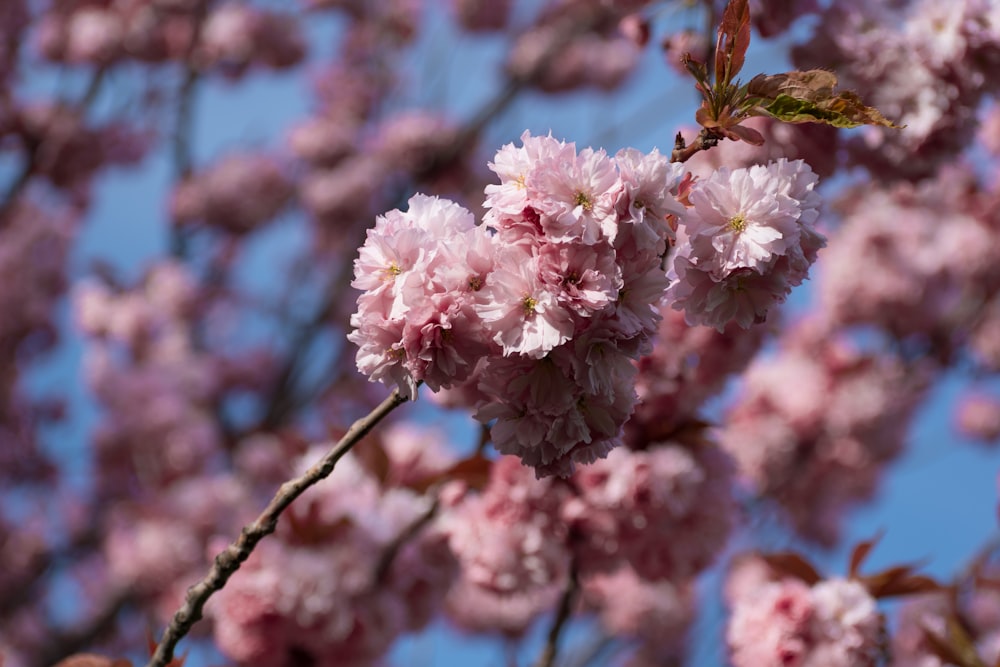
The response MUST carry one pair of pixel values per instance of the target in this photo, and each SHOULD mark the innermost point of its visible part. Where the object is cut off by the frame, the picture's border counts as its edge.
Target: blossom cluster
(230, 37)
(816, 423)
(922, 619)
(543, 307)
(649, 520)
(927, 65)
(833, 623)
(538, 314)
(748, 239)
(315, 592)
(917, 279)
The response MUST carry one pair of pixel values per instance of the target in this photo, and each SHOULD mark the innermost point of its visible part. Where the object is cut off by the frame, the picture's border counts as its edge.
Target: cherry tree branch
(683, 151)
(548, 656)
(181, 140)
(23, 177)
(230, 559)
(392, 550)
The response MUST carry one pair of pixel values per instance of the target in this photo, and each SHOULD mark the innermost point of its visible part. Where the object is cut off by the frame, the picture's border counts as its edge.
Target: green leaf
(843, 110)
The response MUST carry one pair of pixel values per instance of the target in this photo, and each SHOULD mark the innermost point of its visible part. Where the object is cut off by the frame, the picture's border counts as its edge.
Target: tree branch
(181, 141)
(683, 151)
(548, 656)
(393, 548)
(23, 177)
(230, 559)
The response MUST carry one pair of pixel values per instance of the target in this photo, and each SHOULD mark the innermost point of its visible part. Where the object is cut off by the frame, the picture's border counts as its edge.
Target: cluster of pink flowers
(815, 424)
(657, 614)
(67, 150)
(573, 45)
(511, 546)
(650, 520)
(239, 194)
(160, 388)
(917, 278)
(688, 366)
(236, 36)
(667, 511)
(978, 611)
(157, 545)
(787, 623)
(925, 64)
(543, 307)
(322, 589)
(748, 238)
(231, 37)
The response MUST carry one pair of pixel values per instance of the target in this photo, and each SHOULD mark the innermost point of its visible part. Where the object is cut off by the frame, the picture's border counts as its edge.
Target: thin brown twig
(230, 559)
(23, 177)
(392, 550)
(484, 438)
(548, 656)
(683, 151)
(181, 141)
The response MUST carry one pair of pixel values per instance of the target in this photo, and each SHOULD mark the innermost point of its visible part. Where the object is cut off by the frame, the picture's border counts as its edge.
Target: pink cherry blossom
(749, 238)
(834, 622)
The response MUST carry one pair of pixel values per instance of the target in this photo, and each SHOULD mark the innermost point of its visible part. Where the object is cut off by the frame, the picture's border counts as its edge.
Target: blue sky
(938, 503)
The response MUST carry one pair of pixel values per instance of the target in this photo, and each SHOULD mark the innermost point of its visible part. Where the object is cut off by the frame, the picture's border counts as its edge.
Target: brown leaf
(789, 563)
(733, 40)
(747, 134)
(704, 117)
(814, 84)
(474, 471)
(860, 553)
(897, 581)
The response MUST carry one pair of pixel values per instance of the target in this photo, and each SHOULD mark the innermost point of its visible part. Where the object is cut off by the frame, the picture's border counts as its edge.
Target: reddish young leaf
(696, 69)
(791, 564)
(747, 134)
(860, 553)
(151, 644)
(734, 39)
(897, 581)
(474, 471)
